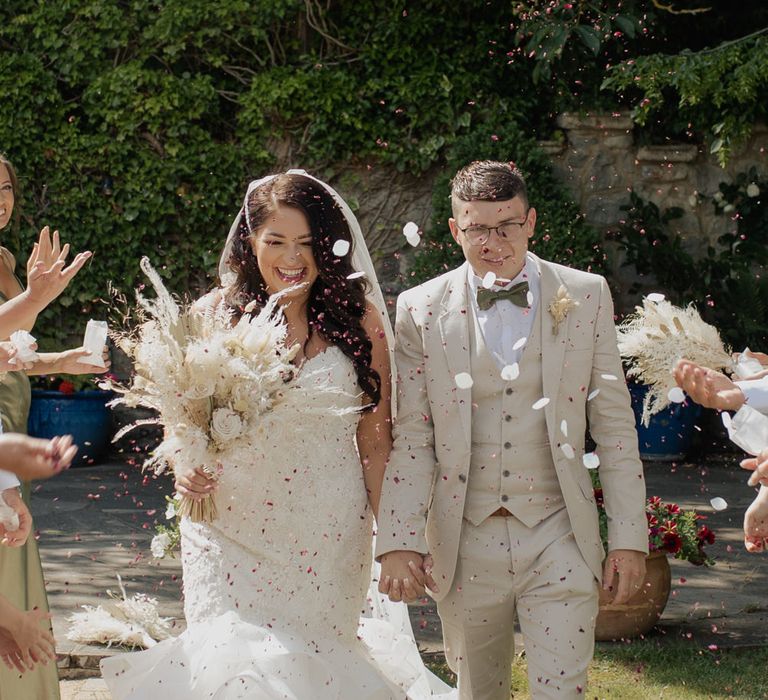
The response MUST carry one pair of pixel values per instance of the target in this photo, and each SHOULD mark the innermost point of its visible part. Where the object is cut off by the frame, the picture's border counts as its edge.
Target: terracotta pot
(643, 610)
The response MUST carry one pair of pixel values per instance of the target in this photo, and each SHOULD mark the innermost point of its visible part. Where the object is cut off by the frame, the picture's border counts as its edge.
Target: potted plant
(71, 405)
(671, 530)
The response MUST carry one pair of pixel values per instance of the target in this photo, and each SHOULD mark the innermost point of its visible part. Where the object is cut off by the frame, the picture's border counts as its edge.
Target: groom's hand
(403, 577)
(624, 573)
(707, 387)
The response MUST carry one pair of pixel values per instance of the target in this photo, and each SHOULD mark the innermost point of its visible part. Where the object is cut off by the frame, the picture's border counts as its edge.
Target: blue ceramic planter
(669, 435)
(83, 415)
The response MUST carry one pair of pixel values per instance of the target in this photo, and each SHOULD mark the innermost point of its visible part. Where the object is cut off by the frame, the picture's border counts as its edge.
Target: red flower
(654, 502)
(672, 542)
(706, 535)
(66, 387)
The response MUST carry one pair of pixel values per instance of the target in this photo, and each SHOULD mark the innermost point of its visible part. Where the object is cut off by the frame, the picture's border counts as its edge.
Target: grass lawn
(645, 670)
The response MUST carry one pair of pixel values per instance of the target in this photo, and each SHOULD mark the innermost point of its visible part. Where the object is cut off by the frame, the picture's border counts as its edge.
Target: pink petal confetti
(340, 248)
(355, 275)
(564, 427)
(567, 450)
(718, 503)
(590, 460)
(609, 377)
(489, 279)
(655, 297)
(463, 380)
(592, 394)
(519, 343)
(676, 395)
(510, 372)
(540, 403)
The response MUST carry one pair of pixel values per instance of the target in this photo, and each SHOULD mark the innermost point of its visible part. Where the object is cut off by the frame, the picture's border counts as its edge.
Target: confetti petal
(519, 343)
(529, 298)
(510, 372)
(567, 450)
(355, 275)
(564, 427)
(591, 460)
(718, 503)
(540, 403)
(463, 380)
(609, 377)
(489, 279)
(592, 394)
(655, 297)
(340, 248)
(726, 418)
(676, 395)
(411, 229)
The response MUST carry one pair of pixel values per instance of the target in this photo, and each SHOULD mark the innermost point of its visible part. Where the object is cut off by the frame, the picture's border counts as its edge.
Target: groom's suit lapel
(552, 345)
(453, 323)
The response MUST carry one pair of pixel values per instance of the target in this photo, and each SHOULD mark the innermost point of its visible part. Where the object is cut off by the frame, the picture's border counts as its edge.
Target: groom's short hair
(487, 181)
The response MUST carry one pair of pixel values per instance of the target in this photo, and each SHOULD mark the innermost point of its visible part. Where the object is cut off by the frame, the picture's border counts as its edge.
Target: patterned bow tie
(517, 294)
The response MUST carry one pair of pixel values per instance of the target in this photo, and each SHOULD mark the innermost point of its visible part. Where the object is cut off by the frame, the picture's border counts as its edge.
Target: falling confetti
(411, 233)
(463, 380)
(591, 460)
(609, 377)
(676, 395)
(592, 394)
(540, 403)
(489, 279)
(567, 450)
(655, 297)
(510, 372)
(726, 418)
(529, 298)
(564, 427)
(718, 503)
(355, 275)
(340, 248)
(519, 343)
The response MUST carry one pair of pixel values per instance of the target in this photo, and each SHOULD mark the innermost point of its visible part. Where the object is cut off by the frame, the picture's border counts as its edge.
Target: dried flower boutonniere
(560, 306)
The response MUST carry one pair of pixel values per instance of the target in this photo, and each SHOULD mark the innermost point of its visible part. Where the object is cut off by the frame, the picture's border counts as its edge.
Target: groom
(503, 363)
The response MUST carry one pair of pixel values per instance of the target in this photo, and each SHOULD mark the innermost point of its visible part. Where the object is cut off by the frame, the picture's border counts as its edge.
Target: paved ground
(96, 522)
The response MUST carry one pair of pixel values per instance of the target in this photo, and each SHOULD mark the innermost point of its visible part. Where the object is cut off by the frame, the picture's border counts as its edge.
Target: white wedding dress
(276, 589)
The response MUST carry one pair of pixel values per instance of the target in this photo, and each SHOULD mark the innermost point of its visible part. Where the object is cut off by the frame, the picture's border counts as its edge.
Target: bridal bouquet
(208, 377)
(655, 337)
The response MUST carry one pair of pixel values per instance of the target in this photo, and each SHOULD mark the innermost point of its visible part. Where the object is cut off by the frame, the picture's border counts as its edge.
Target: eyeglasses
(480, 235)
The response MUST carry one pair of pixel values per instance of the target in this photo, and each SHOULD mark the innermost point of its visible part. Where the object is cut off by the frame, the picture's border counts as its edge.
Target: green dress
(21, 574)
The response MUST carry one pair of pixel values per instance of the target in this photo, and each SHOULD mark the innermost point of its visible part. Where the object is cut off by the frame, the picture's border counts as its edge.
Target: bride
(277, 590)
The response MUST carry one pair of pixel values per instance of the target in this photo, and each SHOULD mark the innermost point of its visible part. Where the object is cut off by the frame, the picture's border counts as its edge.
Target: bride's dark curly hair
(337, 304)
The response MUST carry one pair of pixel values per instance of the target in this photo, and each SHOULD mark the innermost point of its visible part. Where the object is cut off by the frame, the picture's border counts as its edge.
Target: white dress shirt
(504, 324)
(755, 392)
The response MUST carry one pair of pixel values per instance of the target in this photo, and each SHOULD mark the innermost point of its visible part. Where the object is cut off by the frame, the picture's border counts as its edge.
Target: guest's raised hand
(759, 468)
(623, 573)
(33, 458)
(47, 276)
(402, 576)
(17, 537)
(708, 387)
(194, 483)
(75, 361)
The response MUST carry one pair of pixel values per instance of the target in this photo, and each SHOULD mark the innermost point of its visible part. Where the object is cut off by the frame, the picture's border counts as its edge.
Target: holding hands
(405, 576)
(24, 643)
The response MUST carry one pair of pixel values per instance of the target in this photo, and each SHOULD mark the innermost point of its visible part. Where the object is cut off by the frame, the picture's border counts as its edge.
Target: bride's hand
(194, 483)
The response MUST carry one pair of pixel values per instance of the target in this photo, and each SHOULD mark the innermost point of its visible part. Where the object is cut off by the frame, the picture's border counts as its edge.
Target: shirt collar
(475, 282)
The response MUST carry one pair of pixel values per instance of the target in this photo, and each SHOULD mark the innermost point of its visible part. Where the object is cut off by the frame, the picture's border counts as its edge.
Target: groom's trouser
(506, 567)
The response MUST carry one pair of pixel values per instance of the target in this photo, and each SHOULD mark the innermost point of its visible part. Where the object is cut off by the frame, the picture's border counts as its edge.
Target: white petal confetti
(726, 418)
(340, 248)
(567, 450)
(564, 427)
(489, 279)
(529, 298)
(655, 297)
(591, 460)
(519, 343)
(540, 403)
(355, 275)
(463, 380)
(510, 372)
(592, 394)
(411, 233)
(609, 377)
(718, 503)
(676, 395)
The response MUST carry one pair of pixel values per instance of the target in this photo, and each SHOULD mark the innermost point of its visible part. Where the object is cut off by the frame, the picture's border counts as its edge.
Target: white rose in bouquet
(226, 425)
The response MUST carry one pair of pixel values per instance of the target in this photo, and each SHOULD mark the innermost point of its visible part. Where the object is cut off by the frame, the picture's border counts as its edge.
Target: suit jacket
(425, 483)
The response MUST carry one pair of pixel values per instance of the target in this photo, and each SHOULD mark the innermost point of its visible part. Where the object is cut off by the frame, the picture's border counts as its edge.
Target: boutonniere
(560, 306)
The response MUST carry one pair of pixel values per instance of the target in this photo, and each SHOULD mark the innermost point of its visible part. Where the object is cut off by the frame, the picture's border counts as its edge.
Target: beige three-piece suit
(464, 458)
